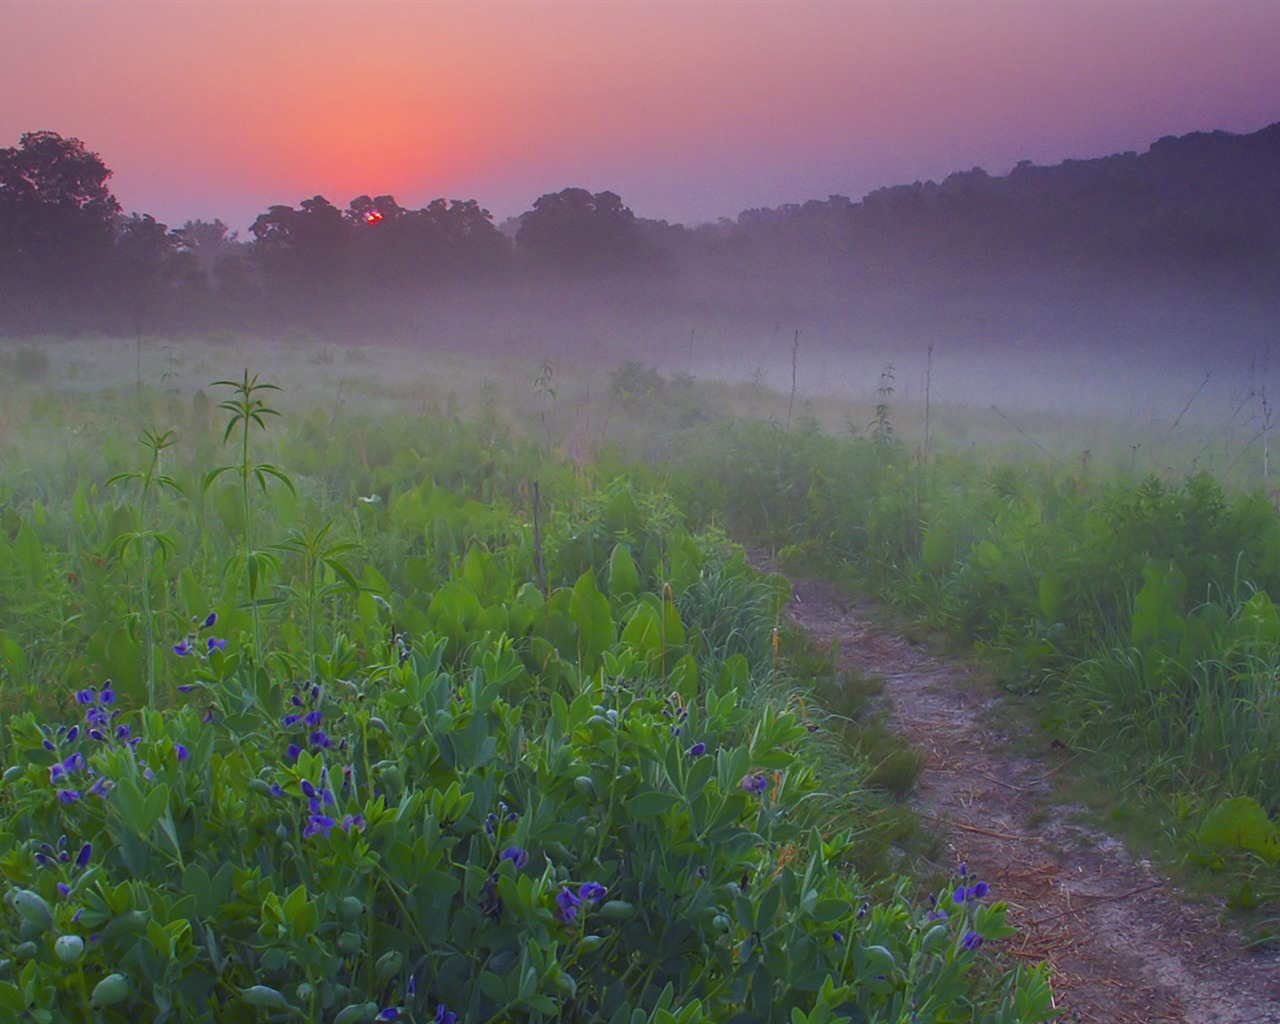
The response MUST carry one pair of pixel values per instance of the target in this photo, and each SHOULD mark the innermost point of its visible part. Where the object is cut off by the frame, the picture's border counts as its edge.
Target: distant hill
(1206, 202)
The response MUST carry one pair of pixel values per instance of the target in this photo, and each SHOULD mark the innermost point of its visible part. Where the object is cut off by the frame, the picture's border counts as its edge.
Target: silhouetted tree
(56, 213)
(149, 263)
(574, 229)
(304, 256)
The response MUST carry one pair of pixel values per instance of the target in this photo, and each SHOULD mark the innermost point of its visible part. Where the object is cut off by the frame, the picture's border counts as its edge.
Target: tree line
(71, 259)
(1203, 208)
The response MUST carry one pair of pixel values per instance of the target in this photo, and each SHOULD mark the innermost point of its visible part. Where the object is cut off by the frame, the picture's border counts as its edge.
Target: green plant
(144, 539)
(246, 410)
(318, 555)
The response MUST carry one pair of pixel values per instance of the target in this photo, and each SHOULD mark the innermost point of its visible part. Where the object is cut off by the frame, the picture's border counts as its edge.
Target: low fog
(1139, 288)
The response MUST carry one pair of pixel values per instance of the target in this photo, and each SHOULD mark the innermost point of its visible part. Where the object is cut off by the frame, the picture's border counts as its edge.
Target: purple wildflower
(215, 643)
(186, 687)
(68, 796)
(979, 890)
(320, 738)
(567, 905)
(388, 1013)
(593, 891)
(86, 696)
(445, 1015)
(292, 752)
(314, 717)
(757, 783)
(85, 854)
(107, 695)
(971, 941)
(517, 856)
(63, 888)
(697, 750)
(181, 750)
(182, 648)
(289, 720)
(837, 938)
(319, 823)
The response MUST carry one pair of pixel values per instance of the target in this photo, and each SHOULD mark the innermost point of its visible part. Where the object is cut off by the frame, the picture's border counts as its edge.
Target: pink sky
(688, 110)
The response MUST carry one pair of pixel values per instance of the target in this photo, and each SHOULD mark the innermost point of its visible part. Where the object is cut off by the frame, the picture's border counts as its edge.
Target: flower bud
(69, 948)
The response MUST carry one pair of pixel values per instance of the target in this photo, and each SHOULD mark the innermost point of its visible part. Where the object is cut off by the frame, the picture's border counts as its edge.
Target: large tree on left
(57, 215)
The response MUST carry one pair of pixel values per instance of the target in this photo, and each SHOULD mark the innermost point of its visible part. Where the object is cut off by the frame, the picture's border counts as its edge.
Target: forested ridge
(1199, 211)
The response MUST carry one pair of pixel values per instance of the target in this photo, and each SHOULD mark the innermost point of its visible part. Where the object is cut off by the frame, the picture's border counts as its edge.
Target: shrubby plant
(447, 796)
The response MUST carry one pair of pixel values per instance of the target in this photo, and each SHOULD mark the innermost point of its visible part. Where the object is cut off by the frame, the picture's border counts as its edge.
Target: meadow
(354, 687)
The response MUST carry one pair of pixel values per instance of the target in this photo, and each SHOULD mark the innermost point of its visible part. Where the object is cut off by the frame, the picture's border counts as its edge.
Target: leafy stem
(142, 539)
(246, 409)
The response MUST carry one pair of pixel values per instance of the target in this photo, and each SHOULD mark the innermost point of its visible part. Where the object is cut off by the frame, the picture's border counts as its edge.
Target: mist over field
(1136, 288)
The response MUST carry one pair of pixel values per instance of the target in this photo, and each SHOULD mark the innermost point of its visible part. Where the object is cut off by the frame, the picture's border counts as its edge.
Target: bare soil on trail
(1125, 947)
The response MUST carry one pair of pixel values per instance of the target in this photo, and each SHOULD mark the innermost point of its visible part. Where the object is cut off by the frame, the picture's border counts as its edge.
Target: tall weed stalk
(247, 409)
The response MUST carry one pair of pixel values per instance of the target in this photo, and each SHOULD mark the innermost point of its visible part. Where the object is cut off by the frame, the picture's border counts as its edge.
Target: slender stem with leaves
(318, 555)
(247, 409)
(142, 539)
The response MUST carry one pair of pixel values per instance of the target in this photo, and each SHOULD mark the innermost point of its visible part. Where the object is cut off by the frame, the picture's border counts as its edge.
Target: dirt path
(1124, 946)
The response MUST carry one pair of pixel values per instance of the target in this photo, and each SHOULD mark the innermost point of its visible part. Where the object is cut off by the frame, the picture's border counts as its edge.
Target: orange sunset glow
(691, 111)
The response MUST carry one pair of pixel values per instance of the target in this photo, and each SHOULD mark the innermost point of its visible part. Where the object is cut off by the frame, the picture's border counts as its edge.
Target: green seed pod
(260, 786)
(30, 930)
(282, 831)
(351, 907)
(306, 992)
(112, 989)
(721, 922)
(590, 943)
(133, 921)
(69, 948)
(379, 724)
(31, 907)
(617, 910)
(356, 1013)
(14, 772)
(391, 776)
(350, 942)
(584, 785)
(25, 951)
(388, 966)
(266, 997)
